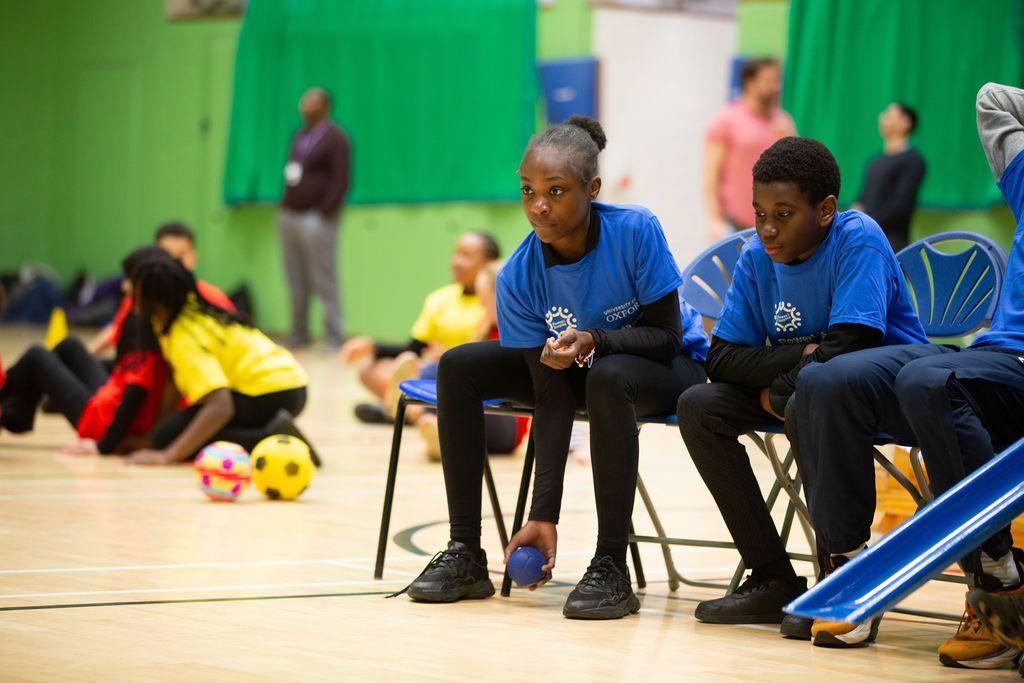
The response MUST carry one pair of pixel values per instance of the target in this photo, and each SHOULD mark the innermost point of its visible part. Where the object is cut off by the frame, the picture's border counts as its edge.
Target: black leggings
(68, 374)
(615, 391)
(712, 417)
(247, 425)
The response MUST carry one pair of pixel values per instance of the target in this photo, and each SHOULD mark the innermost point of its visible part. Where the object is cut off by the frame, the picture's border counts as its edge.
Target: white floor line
(356, 562)
(187, 492)
(205, 589)
(135, 481)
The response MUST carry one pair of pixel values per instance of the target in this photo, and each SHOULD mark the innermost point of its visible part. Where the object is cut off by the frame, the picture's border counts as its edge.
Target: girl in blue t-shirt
(589, 318)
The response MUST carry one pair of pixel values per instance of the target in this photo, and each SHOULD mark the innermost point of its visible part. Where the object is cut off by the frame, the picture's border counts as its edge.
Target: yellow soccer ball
(281, 467)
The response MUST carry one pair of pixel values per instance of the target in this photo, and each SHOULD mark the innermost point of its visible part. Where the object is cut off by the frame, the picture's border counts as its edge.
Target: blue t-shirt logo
(560, 319)
(626, 311)
(787, 318)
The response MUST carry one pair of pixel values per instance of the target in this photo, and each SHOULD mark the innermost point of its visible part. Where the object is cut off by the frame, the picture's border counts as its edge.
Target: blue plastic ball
(524, 565)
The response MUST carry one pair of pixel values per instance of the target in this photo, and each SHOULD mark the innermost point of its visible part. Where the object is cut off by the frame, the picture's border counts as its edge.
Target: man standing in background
(316, 179)
(737, 136)
(893, 177)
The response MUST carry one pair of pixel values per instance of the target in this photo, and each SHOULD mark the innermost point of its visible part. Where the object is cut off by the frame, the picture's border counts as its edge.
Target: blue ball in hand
(524, 565)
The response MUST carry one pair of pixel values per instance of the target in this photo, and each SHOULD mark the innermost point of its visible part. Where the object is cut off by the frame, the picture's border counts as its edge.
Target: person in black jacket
(894, 177)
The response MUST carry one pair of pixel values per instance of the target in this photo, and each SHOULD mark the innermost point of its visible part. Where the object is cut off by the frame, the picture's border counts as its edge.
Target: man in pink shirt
(737, 136)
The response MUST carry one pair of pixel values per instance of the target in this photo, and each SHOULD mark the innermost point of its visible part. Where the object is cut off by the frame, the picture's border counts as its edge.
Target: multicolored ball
(223, 470)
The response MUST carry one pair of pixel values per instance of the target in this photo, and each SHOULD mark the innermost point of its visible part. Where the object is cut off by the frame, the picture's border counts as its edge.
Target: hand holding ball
(524, 565)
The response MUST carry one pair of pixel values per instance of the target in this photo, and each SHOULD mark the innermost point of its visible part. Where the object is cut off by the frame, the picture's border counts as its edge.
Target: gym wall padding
(848, 59)
(438, 97)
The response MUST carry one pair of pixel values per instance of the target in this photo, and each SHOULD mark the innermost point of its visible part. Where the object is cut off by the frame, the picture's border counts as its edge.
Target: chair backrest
(954, 293)
(707, 278)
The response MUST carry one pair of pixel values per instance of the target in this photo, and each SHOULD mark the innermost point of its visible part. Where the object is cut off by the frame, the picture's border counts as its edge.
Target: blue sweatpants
(961, 406)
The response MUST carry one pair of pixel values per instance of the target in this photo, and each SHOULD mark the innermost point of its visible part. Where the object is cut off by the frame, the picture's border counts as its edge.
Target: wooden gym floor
(111, 572)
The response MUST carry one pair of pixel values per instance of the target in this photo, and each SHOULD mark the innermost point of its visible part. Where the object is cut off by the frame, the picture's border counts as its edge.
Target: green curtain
(438, 96)
(848, 59)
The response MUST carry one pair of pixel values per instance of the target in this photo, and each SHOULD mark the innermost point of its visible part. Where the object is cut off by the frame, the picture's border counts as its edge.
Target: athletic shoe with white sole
(840, 634)
(975, 646)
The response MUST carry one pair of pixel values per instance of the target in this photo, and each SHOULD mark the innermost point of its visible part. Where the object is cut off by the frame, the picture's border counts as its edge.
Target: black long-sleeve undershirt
(750, 366)
(659, 336)
(777, 367)
(132, 399)
(841, 338)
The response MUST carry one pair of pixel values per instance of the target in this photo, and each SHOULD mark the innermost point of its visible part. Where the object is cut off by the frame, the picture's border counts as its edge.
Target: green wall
(114, 120)
(763, 29)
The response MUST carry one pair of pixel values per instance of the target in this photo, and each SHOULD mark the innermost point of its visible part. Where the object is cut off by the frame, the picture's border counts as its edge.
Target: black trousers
(246, 427)
(961, 406)
(711, 419)
(615, 392)
(68, 374)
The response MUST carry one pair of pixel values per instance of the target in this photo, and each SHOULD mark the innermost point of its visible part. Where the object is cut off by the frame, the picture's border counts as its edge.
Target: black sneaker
(283, 422)
(604, 592)
(756, 601)
(372, 413)
(797, 628)
(455, 573)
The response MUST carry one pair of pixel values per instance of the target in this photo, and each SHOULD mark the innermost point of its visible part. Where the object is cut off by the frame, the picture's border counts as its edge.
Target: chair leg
(495, 505)
(638, 567)
(919, 499)
(666, 550)
(734, 583)
(389, 489)
(917, 462)
(791, 485)
(517, 521)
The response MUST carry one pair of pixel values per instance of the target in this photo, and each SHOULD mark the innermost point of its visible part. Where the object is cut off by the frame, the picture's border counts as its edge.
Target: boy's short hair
(803, 161)
(910, 113)
(175, 229)
(752, 67)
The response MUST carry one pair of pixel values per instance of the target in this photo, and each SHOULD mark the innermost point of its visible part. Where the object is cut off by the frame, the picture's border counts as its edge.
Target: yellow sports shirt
(206, 354)
(449, 317)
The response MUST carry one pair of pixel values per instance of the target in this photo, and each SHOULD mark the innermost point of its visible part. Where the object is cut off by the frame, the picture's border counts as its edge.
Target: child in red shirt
(105, 409)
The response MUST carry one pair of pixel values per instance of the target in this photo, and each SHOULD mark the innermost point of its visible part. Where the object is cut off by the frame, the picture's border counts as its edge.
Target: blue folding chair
(955, 294)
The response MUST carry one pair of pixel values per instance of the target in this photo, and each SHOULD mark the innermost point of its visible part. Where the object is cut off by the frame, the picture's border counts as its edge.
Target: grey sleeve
(1000, 110)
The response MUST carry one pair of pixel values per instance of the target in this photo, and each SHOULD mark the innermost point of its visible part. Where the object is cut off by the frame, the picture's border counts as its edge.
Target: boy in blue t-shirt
(813, 284)
(960, 406)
